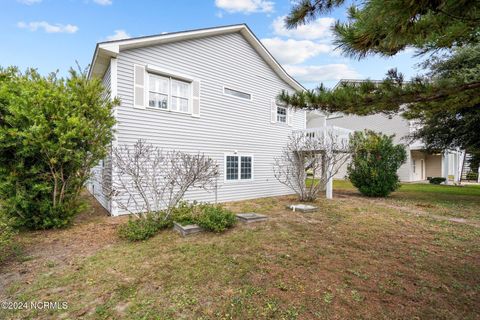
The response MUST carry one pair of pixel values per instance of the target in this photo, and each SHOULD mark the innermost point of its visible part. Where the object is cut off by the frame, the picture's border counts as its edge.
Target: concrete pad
(187, 230)
(251, 217)
(305, 208)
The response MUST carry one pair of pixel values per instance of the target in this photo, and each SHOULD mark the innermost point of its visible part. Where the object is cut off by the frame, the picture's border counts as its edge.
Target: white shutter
(290, 116)
(273, 111)
(139, 84)
(196, 98)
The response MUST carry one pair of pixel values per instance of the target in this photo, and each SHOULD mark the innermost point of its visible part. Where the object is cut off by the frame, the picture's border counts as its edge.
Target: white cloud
(47, 27)
(29, 2)
(292, 51)
(118, 35)
(317, 74)
(245, 6)
(103, 2)
(317, 29)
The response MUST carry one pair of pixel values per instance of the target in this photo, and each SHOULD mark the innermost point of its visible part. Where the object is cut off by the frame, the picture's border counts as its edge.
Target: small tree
(148, 179)
(52, 132)
(320, 154)
(374, 165)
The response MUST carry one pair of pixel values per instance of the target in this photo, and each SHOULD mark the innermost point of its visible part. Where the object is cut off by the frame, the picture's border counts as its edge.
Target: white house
(420, 164)
(209, 90)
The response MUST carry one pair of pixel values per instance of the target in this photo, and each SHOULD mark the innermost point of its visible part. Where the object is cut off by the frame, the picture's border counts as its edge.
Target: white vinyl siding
(218, 123)
(100, 182)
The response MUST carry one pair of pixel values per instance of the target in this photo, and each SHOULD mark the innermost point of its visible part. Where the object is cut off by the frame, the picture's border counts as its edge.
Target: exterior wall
(380, 123)
(226, 124)
(100, 183)
(433, 165)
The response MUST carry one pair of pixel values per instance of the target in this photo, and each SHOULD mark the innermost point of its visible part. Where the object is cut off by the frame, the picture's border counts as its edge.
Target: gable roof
(109, 49)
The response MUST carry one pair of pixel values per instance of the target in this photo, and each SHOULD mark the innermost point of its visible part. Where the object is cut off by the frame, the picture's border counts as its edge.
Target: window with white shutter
(160, 89)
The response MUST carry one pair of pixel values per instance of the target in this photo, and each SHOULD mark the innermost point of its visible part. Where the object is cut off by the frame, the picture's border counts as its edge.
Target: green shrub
(472, 175)
(437, 180)
(210, 217)
(138, 229)
(215, 218)
(52, 132)
(374, 165)
(185, 213)
(6, 234)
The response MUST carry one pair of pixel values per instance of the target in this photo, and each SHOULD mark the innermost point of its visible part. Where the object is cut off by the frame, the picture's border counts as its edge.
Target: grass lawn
(356, 258)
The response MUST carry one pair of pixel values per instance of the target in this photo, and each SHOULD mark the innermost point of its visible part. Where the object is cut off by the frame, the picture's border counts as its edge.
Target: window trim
(232, 96)
(239, 156)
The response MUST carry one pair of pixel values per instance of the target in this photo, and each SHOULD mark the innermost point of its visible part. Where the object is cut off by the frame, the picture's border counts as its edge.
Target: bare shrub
(147, 179)
(322, 154)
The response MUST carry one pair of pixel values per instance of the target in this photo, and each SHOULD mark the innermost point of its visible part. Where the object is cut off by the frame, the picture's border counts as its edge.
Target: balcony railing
(330, 135)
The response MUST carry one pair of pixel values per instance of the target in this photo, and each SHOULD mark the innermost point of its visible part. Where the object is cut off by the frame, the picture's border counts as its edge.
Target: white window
(281, 114)
(158, 91)
(238, 167)
(180, 96)
(238, 94)
(168, 94)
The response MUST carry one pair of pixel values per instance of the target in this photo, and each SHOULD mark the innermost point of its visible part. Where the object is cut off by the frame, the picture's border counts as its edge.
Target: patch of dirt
(39, 251)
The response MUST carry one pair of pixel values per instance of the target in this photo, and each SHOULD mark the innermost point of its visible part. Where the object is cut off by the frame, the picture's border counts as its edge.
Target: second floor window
(158, 91)
(168, 94)
(281, 114)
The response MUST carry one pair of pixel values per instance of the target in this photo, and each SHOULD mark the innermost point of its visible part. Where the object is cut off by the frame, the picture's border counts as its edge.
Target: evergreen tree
(447, 29)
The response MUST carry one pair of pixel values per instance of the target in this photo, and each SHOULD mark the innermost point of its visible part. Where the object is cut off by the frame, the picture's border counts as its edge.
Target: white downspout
(455, 167)
(329, 186)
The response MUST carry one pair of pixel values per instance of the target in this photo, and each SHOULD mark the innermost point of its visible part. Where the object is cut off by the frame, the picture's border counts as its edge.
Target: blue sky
(53, 34)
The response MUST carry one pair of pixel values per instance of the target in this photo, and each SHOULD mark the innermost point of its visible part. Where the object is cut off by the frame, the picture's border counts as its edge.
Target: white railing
(340, 135)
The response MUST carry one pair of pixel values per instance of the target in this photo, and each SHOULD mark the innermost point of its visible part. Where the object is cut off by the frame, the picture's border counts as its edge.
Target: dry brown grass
(354, 258)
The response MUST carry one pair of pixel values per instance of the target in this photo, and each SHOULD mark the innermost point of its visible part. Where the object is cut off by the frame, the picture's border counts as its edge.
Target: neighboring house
(211, 91)
(420, 164)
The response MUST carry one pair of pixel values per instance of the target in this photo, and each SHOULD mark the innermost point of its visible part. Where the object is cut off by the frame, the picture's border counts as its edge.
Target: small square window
(281, 114)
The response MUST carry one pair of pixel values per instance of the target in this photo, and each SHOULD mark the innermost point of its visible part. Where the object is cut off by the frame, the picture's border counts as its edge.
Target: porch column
(329, 186)
(455, 167)
(445, 166)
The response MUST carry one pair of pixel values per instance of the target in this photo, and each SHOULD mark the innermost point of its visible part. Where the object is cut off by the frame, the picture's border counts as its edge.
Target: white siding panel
(226, 124)
(101, 178)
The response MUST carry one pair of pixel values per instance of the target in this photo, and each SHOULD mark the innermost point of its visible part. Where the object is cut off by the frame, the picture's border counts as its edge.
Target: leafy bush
(437, 180)
(185, 213)
(472, 175)
(52, 132)
(374, 165)
(215, 218)
(6, 234)
(210, 217)
(138, 229)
